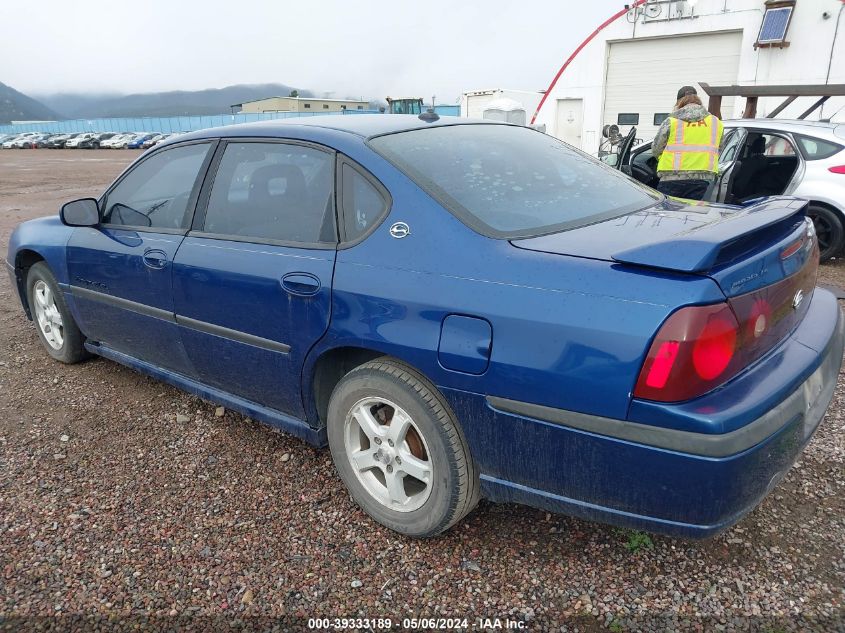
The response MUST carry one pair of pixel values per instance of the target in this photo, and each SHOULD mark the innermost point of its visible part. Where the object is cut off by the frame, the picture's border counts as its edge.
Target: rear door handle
(155, 258)
(301, 284)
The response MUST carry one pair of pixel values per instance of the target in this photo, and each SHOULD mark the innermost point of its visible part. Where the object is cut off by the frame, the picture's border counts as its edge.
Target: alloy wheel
(48, 316)
(388, 454)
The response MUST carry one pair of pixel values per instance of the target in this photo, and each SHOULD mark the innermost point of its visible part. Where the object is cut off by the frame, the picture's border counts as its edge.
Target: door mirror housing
(82, 212)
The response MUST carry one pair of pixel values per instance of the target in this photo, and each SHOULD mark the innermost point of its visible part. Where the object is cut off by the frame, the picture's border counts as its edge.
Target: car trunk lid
(740, 248)
(764, 257)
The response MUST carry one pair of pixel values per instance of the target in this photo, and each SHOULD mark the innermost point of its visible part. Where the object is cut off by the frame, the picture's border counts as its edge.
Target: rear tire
(829, 230)
(54, 323)
(399, 450)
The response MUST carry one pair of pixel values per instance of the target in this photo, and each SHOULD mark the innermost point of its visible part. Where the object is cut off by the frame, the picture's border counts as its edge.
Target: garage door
(643, 76)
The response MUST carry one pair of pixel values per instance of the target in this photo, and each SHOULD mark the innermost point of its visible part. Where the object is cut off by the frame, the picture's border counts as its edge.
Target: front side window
(363, 204)
(273, 191)
(155, 194)
(507, 181)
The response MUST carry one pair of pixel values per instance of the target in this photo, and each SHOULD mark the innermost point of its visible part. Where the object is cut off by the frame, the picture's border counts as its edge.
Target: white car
(117, 141)
(771, 157)
(18, 140)
(78, 139)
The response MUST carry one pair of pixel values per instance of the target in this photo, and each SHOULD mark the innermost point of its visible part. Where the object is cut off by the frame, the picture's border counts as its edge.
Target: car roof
(363, 125)
(813, 128)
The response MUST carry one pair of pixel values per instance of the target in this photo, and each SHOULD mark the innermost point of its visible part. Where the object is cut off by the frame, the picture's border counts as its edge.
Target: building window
(307, 106)
(325, 106)
(343, 107)
(660, 117)
(360, 107)
(775, 23)
(627, 118)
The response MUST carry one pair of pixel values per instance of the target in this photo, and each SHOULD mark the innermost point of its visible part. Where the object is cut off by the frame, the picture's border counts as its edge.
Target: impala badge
(400, 230)
(797, 299)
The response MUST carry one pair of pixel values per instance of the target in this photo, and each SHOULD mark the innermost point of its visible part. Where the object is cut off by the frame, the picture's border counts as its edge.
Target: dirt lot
(113, 509)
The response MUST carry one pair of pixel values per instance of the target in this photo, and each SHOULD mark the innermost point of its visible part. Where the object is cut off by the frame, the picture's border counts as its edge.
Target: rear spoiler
(703, 248)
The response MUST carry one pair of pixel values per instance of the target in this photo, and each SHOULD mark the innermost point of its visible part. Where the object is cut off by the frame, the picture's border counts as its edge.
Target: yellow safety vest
(692, 145)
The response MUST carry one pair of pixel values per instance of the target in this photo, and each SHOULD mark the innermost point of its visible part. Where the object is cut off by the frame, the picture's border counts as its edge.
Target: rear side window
(155, 194)
(816, 148)
(273, 191)
(506, 181)
(363, 203)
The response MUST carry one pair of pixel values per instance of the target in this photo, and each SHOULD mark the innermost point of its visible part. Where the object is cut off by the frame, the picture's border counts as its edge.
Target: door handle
(154, 258)
(301, 284)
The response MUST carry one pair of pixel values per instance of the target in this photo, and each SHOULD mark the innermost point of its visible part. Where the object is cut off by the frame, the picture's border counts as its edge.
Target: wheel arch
(24, 260)
(833, 209)
(327, 369)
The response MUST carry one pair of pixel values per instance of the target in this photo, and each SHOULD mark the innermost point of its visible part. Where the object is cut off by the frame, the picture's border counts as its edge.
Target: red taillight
(839, 169)
(690, 355)
(715, 347)
(662, 365)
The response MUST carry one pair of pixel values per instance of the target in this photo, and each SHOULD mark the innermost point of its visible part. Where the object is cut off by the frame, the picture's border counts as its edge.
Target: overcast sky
(369, 48)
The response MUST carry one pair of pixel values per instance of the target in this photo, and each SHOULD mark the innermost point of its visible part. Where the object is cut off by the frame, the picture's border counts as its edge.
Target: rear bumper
(650, 477)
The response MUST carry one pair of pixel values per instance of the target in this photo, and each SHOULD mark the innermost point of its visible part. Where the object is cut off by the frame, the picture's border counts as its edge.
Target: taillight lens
(691, 354)
(839, 169)
(699, 348)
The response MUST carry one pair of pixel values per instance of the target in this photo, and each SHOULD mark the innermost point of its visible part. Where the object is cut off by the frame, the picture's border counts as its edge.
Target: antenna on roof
(429, 116)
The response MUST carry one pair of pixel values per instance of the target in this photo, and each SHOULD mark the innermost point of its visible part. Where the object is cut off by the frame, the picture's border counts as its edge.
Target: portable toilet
(505, 109)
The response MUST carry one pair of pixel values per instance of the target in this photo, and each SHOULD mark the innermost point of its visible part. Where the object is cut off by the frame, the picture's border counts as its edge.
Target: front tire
(399, 450)
(829, 230)
(54, 323)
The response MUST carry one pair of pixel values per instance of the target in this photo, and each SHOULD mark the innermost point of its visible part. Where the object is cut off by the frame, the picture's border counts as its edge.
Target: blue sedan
(138, 141)
(459, 309)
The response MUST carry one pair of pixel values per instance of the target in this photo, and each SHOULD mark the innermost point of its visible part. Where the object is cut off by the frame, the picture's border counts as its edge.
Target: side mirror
(82, 212)
(610, 159)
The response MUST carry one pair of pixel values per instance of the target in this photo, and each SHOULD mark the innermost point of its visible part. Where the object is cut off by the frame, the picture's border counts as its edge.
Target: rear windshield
(507, 181)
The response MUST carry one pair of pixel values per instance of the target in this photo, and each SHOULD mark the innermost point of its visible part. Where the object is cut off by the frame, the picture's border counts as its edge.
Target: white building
(629, 70)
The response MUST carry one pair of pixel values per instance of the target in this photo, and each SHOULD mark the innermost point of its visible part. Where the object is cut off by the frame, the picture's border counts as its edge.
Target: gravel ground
(127, 504)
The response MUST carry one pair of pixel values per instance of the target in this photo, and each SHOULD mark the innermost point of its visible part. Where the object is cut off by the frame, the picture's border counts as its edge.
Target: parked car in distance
(10, 141)
(765, 157)
(17, 141)
(138, 141)
(104, 136)
(458, 309)
(41, 141)
(86, 140)
(93, 140)
(26, 141)
(151, 140)
(58, 141)
(117, 141)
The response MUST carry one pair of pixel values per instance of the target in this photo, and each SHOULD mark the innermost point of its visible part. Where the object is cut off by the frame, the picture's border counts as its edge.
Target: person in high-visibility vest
(687, 149)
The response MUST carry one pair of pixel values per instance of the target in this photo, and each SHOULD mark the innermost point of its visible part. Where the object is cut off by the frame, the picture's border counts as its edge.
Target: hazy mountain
(173, 103)
(16, 106)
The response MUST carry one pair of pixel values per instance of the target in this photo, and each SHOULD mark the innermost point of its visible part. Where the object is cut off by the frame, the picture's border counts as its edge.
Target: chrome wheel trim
(47, 315)
(382, 455)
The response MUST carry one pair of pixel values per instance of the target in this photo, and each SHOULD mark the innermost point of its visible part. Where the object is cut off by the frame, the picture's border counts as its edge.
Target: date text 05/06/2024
(425, 624)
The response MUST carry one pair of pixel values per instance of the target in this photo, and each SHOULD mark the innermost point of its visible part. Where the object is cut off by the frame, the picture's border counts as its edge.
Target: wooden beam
(714, 106)
(810, 90)
(781, 107)
(813, 108)
(750, 108)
